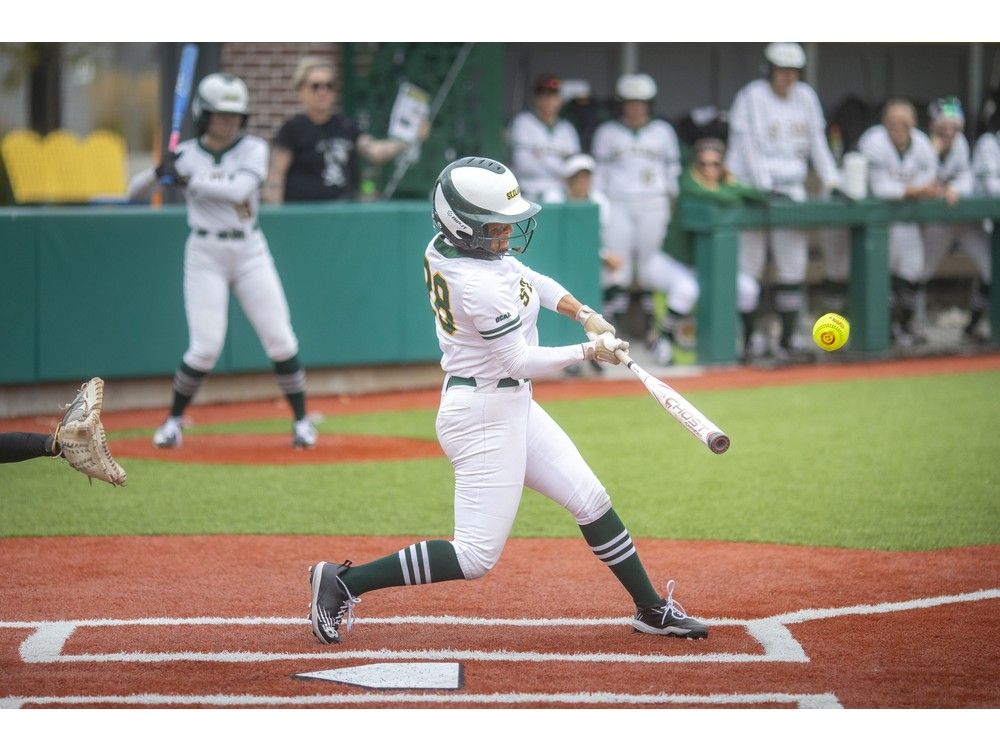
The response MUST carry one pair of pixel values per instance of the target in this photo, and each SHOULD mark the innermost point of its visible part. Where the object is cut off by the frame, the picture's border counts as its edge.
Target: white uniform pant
(789, 250)
(636, 231)
(906, 252)
(499, 441)
(972, 240)
(211, 268)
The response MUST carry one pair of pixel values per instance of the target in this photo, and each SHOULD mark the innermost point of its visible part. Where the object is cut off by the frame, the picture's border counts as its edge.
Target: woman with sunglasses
(707, 179)
(315, 154)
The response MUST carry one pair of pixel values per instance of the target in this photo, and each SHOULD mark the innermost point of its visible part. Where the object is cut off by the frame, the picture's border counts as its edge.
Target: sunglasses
(320, 85)
(709, 163)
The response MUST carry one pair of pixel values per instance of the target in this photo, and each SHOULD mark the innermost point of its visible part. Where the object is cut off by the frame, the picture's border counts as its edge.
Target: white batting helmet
(785, 55)
(947, 108)
(220, 92)
(475, 191)
(636, 86)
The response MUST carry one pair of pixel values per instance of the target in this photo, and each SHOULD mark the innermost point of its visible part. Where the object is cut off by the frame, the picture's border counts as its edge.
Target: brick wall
(267, 68)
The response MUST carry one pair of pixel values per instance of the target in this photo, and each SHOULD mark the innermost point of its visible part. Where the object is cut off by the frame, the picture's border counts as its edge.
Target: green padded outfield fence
(98, 291)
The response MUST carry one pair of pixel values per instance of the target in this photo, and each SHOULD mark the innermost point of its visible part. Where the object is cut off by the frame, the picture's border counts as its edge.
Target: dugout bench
(716, 241)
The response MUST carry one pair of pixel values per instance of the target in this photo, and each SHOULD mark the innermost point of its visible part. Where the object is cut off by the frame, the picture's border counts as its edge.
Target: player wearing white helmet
(902, 164)
(540, 140)
(955, 179)
(776, 129)
(485, 304)
(221, 172)
(638, 163)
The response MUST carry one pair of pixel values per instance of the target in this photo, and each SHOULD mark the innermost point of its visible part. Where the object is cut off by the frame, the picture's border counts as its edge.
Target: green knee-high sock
(610, 541)
(431, 561)
(187, 381)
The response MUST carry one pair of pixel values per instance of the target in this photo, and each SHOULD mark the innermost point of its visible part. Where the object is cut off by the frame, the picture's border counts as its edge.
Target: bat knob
(718, 442)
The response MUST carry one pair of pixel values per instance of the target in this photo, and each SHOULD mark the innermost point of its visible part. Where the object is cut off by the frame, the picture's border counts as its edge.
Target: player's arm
(233, 187)
(988, 164)
(274, 187)
(524, 162)
(380, 151)
(819, 150)
(673, 159)
(747, 142)
(142, 185)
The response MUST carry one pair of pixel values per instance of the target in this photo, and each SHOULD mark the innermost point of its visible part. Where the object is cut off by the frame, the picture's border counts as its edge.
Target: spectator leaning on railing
(954, 174)
(707, 179)
(902, 165)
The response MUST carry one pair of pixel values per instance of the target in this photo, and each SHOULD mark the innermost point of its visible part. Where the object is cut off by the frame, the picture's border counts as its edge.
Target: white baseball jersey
(954, 168)
(223, 190)
(891, 172)
(538, 152)
(479, 301)
(773, 137)
(986, 164)
(639, 163)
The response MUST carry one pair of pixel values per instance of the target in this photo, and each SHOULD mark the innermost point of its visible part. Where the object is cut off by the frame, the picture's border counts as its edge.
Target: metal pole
(630, 57)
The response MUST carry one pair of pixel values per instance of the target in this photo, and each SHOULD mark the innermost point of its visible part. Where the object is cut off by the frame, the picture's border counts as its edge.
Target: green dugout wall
(98, 291)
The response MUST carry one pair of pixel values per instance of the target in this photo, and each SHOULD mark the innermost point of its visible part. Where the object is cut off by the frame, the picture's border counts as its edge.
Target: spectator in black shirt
(315, 154)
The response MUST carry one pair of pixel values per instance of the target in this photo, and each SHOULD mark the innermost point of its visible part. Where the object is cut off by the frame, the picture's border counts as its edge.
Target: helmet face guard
(474, 192)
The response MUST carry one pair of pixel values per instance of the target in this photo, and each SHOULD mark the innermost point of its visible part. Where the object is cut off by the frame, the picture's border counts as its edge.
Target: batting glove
(167, 171)
(593, 322)
(603, 348)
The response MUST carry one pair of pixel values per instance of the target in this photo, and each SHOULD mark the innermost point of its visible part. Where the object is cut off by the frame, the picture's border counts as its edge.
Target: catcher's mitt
(80, 437)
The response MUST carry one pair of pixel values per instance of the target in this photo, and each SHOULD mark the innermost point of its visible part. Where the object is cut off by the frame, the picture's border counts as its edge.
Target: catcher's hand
(593, 322)
(80, 437)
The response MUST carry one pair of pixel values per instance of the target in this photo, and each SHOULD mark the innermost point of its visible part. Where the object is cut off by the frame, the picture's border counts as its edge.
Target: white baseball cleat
(303, 434)
(170, 433)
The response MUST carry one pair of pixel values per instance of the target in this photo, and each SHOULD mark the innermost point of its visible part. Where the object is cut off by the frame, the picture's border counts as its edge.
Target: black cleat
(668, 618)
(331, 603)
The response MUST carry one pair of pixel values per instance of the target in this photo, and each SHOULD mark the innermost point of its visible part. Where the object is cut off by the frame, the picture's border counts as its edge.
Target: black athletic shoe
(668, 618)
(331, 604)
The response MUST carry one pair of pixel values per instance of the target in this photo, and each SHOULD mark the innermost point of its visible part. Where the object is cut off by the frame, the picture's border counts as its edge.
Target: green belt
(504, 383)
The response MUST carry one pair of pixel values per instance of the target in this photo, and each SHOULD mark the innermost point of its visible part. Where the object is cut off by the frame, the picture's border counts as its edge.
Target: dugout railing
(716, 233)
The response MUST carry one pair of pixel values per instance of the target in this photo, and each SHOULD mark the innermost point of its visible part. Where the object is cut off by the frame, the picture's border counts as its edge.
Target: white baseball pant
(499, 441)
(213, 266)
(635, 233)
(972, 240)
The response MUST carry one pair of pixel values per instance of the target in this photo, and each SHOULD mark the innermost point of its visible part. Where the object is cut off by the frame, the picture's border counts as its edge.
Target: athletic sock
(978, 306)
(430, 561)
(834, 295)
(904, 295)
(610, 541)
(748, 318)
(669, 323)
(20, 446)
(788, 300)
(187, 381)
(292, 381)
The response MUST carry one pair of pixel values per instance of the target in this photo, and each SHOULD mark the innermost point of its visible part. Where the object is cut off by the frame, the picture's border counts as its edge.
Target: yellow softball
(830, 331)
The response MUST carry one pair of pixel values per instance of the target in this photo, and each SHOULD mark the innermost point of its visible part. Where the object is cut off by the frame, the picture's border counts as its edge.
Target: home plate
(395, 675)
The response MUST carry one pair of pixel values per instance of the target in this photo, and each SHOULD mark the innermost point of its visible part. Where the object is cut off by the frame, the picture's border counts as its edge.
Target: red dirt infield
(865, 629)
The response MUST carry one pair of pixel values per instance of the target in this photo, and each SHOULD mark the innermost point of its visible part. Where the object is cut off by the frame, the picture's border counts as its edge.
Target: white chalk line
(818, 700)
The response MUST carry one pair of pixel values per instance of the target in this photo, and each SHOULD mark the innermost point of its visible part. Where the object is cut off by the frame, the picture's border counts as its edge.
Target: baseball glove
(80, 437)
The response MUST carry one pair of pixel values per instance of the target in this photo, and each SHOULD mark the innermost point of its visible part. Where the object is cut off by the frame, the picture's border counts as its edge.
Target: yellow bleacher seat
(105, 160)
(60, 168)
(24, 158)
(64, 155)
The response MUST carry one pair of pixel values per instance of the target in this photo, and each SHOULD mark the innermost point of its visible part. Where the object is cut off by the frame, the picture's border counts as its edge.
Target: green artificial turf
(908, 463)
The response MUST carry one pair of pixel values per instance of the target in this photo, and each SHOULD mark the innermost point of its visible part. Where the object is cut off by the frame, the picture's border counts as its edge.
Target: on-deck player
(221, 172)
(638, 163)
(486, 303)
(776, 128)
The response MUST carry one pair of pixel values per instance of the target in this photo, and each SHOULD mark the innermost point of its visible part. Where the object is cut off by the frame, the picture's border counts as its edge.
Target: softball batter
(486, 303)
(221, 171)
